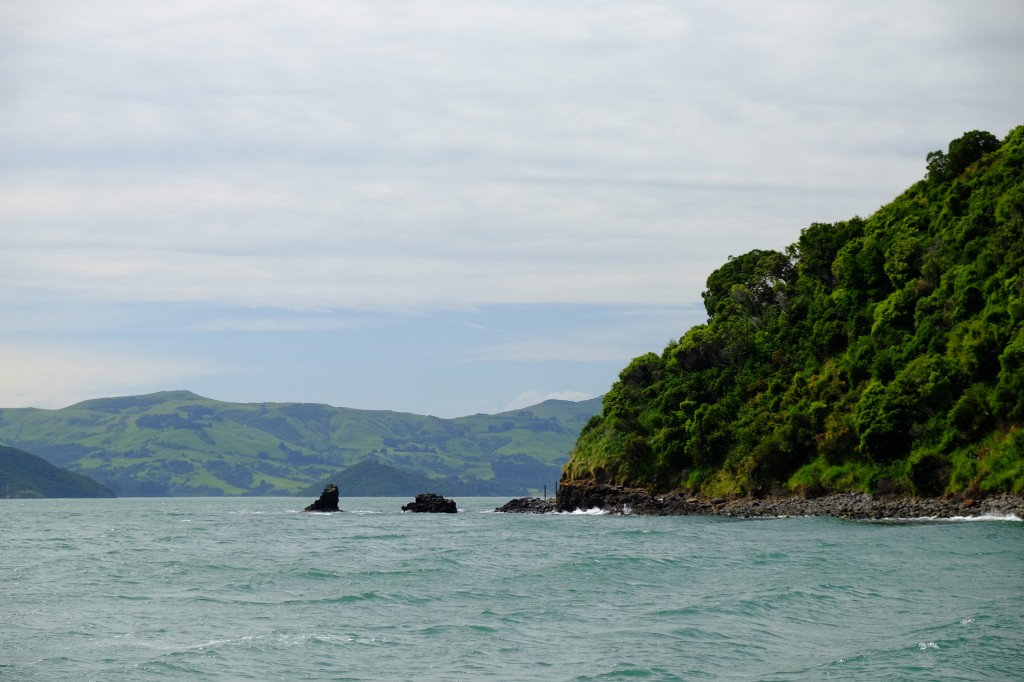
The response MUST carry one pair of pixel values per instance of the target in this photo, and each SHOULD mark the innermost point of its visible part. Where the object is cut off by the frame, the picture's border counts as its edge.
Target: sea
(256, 589)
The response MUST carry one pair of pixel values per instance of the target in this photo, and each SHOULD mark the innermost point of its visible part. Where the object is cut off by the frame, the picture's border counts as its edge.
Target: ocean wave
(948, 519)
(593, 511)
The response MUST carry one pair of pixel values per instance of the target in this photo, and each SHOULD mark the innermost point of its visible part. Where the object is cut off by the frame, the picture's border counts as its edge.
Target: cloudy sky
(439, 206)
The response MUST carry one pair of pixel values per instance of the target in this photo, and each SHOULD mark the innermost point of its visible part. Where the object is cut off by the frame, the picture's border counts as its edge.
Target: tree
(759, 274)
(963, 151)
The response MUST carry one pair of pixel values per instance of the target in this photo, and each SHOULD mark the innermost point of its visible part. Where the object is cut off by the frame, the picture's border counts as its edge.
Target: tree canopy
(877, 354)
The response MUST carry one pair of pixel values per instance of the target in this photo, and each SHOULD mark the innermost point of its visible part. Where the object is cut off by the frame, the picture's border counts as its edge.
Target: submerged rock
(431, 503)
(328, 501)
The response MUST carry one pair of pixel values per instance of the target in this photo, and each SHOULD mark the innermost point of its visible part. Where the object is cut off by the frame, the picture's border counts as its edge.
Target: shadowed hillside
(23, 475)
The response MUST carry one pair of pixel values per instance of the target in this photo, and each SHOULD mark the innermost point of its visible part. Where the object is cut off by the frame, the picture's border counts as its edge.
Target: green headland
(881, 354)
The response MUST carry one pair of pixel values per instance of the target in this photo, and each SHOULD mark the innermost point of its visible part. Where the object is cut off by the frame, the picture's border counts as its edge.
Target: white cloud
(408, 155)
(534, 397)
(542, 350)
(259, 324)
(611, 337)
(53, 376)
(261, 243)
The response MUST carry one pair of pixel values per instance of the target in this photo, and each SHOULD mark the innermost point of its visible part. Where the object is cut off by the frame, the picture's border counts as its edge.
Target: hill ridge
(180, 443)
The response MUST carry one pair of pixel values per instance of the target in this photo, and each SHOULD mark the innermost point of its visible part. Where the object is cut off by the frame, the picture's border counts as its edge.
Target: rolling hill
(179, 443)
(23, 475)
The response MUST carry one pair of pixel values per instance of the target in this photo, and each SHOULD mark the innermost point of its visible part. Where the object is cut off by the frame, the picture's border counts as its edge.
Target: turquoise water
(253, 589)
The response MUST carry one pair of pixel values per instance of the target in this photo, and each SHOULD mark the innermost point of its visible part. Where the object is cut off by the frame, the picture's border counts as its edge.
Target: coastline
(642, 502)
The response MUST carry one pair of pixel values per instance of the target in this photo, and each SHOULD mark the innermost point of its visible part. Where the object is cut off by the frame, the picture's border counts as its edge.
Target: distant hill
(373, 479)
(179, 443)
(24, 476)
(880, 354)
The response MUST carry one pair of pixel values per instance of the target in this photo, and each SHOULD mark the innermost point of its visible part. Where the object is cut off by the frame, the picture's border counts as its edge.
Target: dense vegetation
(883, 354)
(25, 476)
(178, 443)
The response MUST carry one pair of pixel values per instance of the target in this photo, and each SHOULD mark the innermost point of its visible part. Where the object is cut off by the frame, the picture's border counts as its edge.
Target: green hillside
(373, 479)
(883, 354)
(178, 443)
(25, 476)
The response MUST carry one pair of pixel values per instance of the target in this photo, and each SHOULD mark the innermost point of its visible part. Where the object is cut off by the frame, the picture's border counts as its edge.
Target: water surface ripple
(254, 589)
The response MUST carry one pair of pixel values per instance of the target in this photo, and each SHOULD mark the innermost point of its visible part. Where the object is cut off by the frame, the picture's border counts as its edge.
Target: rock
(431, 503)
(574, 495)
(527, 505)
(328, 501)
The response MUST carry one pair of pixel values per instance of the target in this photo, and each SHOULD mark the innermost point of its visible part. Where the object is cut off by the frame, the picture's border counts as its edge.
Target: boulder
(328, 501)
(431, 503)
(527, 505)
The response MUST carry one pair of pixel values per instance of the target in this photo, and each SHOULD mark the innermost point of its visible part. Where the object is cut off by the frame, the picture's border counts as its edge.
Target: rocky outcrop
(328, 501)
(573, 495)
(431, 503)
(528, 505)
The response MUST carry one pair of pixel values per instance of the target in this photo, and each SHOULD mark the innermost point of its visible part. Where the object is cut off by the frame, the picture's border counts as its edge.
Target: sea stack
(328, 501)
(431, 503)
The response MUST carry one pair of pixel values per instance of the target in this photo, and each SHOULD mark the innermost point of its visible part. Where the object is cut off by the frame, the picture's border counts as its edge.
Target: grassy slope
(178, 443)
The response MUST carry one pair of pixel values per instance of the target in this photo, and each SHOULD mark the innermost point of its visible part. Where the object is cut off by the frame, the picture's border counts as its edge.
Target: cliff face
(883, 354)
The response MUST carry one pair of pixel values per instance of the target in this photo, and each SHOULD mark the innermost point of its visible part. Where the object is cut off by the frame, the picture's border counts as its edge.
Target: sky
(439, 206)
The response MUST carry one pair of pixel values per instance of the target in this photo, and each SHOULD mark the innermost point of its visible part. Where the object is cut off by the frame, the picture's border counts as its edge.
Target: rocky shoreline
(642, 502)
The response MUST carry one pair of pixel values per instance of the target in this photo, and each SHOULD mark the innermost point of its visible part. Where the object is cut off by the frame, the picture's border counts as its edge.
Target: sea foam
(952, 519)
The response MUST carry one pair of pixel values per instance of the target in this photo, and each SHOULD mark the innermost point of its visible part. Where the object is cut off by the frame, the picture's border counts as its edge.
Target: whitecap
(986, 517)
(594, 511)
(952, 519)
